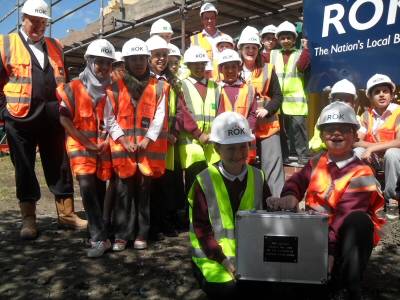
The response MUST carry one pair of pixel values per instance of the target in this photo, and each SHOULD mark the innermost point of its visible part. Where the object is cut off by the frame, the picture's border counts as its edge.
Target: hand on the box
(229, 267)
(285, 203)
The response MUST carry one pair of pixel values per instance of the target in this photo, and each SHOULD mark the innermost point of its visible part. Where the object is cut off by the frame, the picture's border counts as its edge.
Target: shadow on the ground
(55, 266)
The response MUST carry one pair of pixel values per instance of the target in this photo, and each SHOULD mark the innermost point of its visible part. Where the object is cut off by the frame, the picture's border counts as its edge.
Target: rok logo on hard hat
(335, 116)
(41, 11)
(106, 50)
(236, 131)
(134, 49)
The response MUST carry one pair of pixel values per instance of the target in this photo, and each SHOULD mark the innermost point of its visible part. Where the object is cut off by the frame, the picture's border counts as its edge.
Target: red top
(297, 186)
(232, 92)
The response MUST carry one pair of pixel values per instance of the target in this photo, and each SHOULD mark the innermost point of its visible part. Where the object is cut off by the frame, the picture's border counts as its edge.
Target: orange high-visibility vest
(135, 120)
(201, 41)
(17, 64)
(323, 194)
(385, 133)
(89, 121)
(242, 106)
(261, 80)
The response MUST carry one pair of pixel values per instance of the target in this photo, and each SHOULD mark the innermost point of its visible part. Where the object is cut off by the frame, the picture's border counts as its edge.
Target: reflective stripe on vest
(242, 105)
(291, 81)
(324, 194)
(88, 120)
(172, 103)
(265, 127)
(135, 122)
(16, 60)
(222, 220)
(386, 132)
(190, 150)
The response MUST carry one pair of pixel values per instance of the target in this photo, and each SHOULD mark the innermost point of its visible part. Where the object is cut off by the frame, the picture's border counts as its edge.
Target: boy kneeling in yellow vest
(214, 198)
(340, 185)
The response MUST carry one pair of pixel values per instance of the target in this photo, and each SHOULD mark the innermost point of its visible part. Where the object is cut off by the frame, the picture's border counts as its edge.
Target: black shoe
(286, 161)
(156, 236)
(170, 233)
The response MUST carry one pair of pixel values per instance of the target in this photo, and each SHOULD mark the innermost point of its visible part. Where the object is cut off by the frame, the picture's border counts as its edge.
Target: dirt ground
(55, 265)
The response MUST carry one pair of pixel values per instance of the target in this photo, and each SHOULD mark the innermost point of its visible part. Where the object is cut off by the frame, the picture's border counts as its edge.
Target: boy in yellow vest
(340, 185)
(216, 195)
(197, 108)
(379, 135)
(290, 65)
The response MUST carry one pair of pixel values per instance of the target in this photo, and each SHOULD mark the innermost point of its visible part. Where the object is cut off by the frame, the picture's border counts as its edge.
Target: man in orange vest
(339, 184)
(379, 135)
(206, 38)
(31, 67)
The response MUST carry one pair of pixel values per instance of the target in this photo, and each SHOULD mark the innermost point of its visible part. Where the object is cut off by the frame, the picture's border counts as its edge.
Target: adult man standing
(31, 67)
(206, 38)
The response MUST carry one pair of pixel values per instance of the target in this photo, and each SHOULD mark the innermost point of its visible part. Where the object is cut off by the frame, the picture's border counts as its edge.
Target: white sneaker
(99, 248)
(140, 244)
(119, 245)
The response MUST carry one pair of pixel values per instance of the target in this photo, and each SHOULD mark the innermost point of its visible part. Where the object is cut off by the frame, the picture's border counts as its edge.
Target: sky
(77, 20)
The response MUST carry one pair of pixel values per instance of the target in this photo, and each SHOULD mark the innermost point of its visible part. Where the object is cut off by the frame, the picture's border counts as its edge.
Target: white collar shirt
(37, 48)
(229, 176)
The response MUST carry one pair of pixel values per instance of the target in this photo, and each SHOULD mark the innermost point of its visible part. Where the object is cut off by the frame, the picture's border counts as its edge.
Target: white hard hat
(224, 38)
(102, 48)
(230, 128)
(344, 86)
(379, 79)
(36, 8)
(268, 29)
(195, 54)
(228, 55)
(135, 46)
(338, 112)
(208, 7)
(174, 50)
(156, 42)
(119, 57)
(160, 26)
(249, 35)
(286, 27)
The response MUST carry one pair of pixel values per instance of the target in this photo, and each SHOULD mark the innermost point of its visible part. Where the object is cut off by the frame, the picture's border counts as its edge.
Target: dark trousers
(23, 139)
(354, 250)
(167, 197)
(92, 192)
(131, 215)
(297, 140)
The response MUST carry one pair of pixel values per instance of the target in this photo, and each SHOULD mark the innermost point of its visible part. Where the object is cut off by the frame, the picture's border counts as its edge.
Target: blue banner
(352, 39)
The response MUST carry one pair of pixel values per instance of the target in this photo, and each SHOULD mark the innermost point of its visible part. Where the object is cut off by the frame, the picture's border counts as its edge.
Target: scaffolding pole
(145, 22)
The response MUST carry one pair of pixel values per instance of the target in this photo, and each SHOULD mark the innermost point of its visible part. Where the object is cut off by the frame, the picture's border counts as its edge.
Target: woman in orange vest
(236, 95)
(340, 185)
(81, 114)
(135, 118)
(269, 98)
